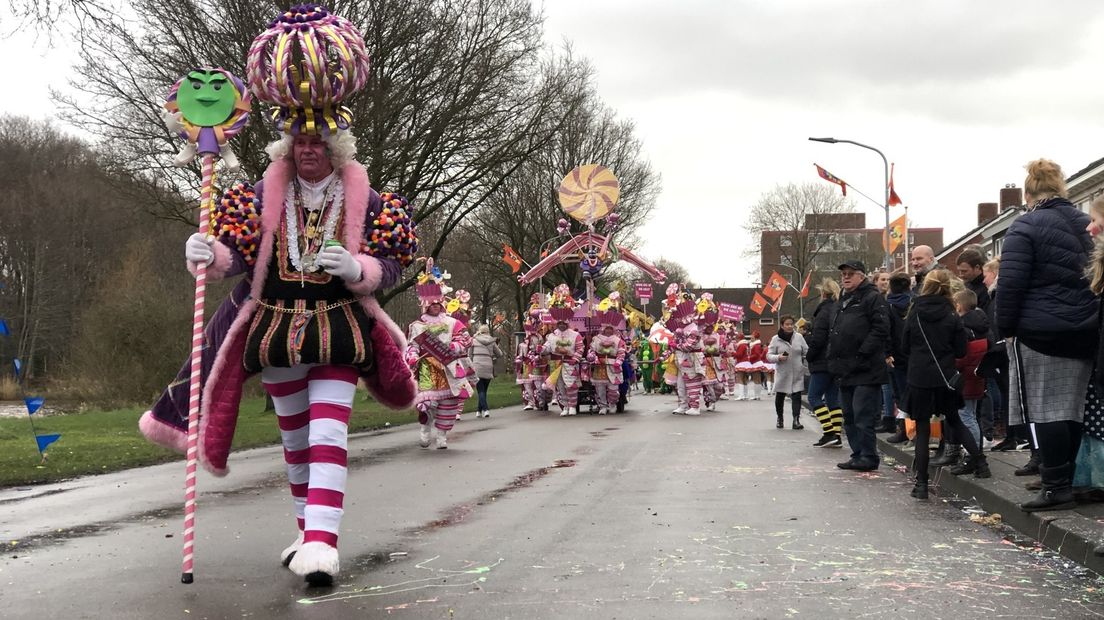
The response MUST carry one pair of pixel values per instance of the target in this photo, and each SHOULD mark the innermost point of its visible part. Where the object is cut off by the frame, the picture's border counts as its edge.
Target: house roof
(1008, 214)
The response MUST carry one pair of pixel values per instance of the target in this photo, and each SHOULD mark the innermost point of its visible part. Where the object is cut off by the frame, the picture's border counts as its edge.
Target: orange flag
(805, 287)
(897, 231)
(775, 285)
(511, 258)
(894, 199)
(758, 304)
(778, 304)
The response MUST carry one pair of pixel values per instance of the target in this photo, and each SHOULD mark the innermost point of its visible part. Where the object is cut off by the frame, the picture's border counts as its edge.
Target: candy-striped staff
(206, 107)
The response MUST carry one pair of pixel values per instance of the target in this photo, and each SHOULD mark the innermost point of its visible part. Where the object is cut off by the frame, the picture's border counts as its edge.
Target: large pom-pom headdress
(305, 64)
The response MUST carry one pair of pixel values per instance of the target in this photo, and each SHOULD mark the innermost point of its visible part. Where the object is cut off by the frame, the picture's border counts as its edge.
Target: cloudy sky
(725, 93)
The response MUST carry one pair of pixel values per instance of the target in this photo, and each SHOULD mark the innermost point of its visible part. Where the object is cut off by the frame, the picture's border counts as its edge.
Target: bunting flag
(499, 318)
(897, 231)
(894, 199)
(805, 287)
(34, 403)
(775, 285)
(778, 303)
(4, 329)
(18, 365)
(758, 303)
(831, 178)
(511, 258)
(46, 440)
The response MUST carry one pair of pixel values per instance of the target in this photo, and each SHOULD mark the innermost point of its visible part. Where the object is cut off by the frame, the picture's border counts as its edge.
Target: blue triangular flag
(18, 366)
(34, 403)
(45, 440)
(4, 329)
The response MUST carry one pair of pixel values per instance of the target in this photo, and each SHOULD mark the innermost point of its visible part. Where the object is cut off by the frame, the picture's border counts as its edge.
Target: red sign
(643, 291)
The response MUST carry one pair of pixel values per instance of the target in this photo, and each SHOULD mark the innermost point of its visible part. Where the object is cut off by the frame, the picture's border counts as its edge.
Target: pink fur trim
(357, 193)
(219, 266)
(371, 276)
(209, 455)
(162, 434)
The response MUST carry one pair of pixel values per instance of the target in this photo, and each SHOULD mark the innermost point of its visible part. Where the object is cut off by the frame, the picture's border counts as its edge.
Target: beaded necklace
(303, 248)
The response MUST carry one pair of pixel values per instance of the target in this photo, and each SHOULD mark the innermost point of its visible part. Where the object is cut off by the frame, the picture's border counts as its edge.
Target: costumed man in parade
(647, 362)
(523, 365)
(438, 355)
(729, 356)
(713, 377)
(689, 359)
(606, 356)
(564, 346)
(541, 361)
(305, 316)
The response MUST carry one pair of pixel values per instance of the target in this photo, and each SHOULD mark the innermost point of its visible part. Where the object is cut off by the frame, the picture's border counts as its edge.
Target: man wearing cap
(857, 359)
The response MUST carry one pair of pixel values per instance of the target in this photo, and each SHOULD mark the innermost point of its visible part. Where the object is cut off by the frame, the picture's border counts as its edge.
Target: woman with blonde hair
(1049, 316)
(823, 391)
(1088, 476)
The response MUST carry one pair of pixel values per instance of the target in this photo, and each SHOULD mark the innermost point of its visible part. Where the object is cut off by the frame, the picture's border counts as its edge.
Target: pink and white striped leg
(445, 411)
(290, 397)
(332, 389)
(694, 392)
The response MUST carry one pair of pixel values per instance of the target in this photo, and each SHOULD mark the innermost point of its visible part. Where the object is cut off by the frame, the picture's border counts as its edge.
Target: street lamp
(885, 203)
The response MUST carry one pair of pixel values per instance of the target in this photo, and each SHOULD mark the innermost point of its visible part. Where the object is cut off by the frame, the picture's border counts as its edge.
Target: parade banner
(643, 291)
(435, 347)
(731, 312)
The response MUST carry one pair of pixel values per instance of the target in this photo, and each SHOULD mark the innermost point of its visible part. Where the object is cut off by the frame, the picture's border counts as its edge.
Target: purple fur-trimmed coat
(166, 424)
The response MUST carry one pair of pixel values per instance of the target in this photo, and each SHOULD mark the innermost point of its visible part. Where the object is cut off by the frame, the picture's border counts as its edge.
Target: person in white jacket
(787, 351)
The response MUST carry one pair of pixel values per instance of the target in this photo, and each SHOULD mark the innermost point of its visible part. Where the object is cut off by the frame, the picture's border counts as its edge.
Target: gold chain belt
(324, 308)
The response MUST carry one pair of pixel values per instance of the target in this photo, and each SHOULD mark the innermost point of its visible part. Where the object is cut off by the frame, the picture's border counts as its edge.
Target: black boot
(982, 467)
(1031, 468)
(781, 423)
(900, 436)
(1057, 493)
(886, 425)
(950, 456)
(920, 489)
(797, 423)
(968, 466)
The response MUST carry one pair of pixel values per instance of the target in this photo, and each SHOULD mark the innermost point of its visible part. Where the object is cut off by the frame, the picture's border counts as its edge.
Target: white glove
(173, 120)
(228, 157)
(337, 261)
(198, 249)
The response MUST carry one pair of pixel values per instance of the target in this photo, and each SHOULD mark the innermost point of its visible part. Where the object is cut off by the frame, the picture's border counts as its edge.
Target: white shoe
(679, 411)
(442, 441)
(423, 436)
(564, 412)
(693, 411)
(486, 414)
(458, 417)
(528, 407)
(711, 407)
(572, 410)
(287, 554)
(316, 561)
(603, 411)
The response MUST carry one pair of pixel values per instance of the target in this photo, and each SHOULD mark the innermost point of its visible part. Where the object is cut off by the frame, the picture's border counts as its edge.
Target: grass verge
(98, 442)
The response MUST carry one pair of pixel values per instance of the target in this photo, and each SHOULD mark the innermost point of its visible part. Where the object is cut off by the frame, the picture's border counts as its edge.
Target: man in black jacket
(857, 350)
(969, 265)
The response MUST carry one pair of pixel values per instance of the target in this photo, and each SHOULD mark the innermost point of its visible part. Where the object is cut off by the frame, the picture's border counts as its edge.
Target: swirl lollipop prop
(207, 107)
(588, 193)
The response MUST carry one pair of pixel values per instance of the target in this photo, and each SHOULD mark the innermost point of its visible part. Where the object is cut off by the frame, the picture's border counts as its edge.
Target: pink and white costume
(607, 354)
(564, 346)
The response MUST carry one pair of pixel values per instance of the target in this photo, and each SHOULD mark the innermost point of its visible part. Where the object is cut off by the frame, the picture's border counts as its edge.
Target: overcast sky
(725, 93)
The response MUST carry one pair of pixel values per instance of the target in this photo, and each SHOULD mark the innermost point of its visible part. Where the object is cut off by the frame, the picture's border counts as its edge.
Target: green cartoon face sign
(206, 98)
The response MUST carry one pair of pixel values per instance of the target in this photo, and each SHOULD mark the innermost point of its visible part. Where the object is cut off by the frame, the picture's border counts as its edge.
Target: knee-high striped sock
(332, 389)
(825, 419)
(837, 421)
(288, 389)
(446, 411)
(613, 394)
(572, 396)
(694, 392)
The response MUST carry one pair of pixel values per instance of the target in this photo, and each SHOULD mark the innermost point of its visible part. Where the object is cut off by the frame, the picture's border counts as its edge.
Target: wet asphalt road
(641, 515)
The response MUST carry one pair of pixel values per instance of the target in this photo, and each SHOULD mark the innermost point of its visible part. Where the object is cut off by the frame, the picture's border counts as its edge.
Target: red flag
(831, 178)
(758, 303)
(894, 199)
(805, 287)
(511, 258)
(778, 304)
(775, 286)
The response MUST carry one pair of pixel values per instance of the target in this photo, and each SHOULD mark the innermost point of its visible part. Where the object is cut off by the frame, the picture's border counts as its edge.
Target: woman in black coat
(932, 338)
(823, 391)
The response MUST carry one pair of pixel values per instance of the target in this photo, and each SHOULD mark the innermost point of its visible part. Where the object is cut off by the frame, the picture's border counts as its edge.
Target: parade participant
(787, 350)
(713, 378)
(523, 365)
(757, 357)
(823, 390)
(539, 359)
(670, 367)
(742, 354)
(565, 348)
(305, 317)
(438, 355)
(728, 355)
(606, 356)
(689, 359)
(647, 360)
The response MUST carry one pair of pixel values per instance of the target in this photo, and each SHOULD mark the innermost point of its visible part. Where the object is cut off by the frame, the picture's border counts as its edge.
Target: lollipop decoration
(206, 108)
(305, 64)
(589, 192)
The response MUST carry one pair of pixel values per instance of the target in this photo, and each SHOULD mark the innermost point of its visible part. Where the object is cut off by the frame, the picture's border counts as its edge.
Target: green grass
(98, 442)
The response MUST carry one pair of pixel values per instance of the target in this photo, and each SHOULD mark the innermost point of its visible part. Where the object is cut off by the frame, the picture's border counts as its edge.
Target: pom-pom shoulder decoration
(206, 108)
(306, 63)
(236, 221)
(394, 234)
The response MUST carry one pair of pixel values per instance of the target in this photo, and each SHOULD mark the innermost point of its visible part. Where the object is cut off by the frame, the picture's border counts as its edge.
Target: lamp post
(885, 202)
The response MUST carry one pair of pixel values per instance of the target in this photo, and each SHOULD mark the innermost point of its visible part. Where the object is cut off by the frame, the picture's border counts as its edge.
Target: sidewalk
(1076, 534)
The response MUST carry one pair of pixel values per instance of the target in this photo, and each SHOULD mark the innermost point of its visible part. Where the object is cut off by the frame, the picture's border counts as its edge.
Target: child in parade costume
(606, 356)
(437, 354)
(315, 242)
(757, 357)
(646, 360)
(689, 359)
(741, 352)
(729, 356)
(540, 362)
(523, 366)
(712, 378)
(565, 349)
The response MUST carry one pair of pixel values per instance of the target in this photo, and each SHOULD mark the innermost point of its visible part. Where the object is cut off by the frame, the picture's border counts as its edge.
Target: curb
(1071, 533)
